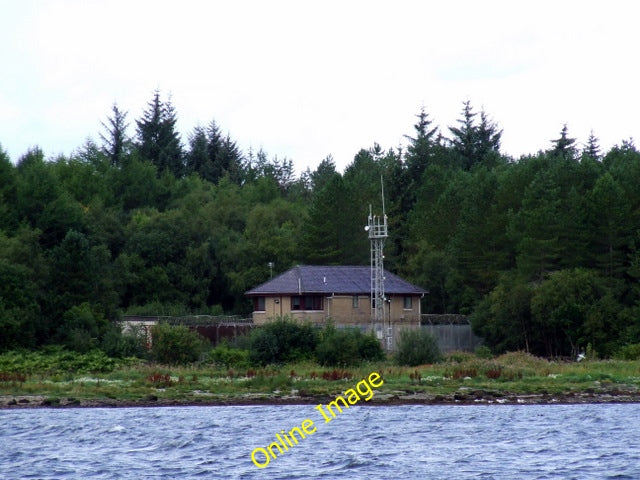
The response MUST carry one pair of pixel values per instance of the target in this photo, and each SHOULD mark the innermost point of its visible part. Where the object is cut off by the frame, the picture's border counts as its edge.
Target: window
(306, 302)
(408, 303)
(355, 301)
(259, 304)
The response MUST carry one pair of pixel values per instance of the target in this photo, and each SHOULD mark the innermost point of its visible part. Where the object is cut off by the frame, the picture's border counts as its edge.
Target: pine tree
(228, 160)
(488, 137)
(420, 154)
(116, 143)
(420, 149)
(592, 148)
(465, 136)
(214, 172)
(197, 158)
(564, 146)
(158, 140)
(323, 173)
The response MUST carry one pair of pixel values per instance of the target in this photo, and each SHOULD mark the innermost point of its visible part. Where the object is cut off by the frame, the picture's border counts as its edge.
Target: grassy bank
(60, 378)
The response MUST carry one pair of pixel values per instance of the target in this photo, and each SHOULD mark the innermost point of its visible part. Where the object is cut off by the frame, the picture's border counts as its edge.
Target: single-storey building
(342, 293)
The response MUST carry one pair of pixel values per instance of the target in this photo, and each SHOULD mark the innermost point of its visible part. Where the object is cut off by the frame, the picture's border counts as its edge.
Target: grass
(460, 376)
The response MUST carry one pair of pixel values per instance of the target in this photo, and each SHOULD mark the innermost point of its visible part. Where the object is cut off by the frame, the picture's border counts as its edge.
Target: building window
(408, 303)
(355, 301)
(259, 304)
(306, 302)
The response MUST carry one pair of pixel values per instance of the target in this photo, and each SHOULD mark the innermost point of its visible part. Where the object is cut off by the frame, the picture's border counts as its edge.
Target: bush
(482, 351)
(628, 352)
(347, 347)
(229, 357)
(282, 341)
(417, 347)
(133, 343)
(176, 344)
(82, 328)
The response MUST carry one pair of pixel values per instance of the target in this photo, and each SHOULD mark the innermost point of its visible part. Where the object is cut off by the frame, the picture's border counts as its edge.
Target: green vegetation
(346, 347)
(176, 345)
(286, 341)
(541, 251)
(57, 377)
(282, 341)
(417, 348)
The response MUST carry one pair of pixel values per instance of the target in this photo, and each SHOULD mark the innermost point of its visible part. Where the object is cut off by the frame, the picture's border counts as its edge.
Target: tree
(611, 229)
(421, 148)
(19, 310)
(198, 160)
(116, 143)
(80, 273)
(41, 200)
(8, 218)
(561, 307)
(503, 318)
(488, 140)
(228, 158)
(473, 143)
(464, 136)
(564, 146)
(592, 148)
(158, 140)
(323, 173)
(322, 239)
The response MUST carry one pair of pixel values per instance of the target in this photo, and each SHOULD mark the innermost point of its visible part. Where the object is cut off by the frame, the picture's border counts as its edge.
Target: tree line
(540, 251)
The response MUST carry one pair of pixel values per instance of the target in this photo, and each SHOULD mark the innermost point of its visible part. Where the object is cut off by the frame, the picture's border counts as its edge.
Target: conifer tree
(158, 140)
(488, 137)
(420, 154)
(592, 148)
(116, 143)
(474, 142)
(228, 159)
(464, 136)
(197, 158)
(420, 149)
(564, 146)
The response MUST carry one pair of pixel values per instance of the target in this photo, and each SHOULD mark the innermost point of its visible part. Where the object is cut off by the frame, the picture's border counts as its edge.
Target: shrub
(628, 352)
(132, 343)
(347, 347)
(176, 344)
(482, 351)
(282, 341)
(229, 357)
(82, 328)
(417, 347)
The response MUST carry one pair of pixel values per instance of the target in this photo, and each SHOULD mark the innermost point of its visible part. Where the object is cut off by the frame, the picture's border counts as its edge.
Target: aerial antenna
(384, 213)
(378, 232)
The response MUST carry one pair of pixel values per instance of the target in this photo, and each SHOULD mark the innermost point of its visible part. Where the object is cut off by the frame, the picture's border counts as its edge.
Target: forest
(540, 251)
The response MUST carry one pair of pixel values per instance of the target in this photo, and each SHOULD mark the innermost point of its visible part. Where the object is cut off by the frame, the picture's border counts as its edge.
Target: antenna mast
(378, 232)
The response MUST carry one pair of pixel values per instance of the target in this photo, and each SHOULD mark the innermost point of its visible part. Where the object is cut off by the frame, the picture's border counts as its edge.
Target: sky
(306, 79)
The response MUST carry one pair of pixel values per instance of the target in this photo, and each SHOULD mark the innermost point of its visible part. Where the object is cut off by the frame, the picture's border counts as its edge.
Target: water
(403, 442)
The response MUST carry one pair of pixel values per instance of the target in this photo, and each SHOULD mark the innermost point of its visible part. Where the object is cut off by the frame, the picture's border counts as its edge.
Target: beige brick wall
(341, 309)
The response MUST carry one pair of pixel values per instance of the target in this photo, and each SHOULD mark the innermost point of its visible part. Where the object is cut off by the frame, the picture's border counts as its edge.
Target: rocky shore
(464, 397)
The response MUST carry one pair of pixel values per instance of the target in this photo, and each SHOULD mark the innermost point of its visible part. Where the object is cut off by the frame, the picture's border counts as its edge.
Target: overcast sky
(305, 79)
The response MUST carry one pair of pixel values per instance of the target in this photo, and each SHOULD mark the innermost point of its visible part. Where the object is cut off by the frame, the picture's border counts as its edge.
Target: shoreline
(23, 402)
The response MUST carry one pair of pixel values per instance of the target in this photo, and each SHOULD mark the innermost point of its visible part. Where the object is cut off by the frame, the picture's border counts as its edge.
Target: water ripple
(435, 442)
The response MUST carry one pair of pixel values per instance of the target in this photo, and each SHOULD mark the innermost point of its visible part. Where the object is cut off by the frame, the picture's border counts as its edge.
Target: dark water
(403, 442)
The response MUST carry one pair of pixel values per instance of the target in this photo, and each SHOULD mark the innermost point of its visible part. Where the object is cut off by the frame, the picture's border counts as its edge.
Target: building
(342, 293)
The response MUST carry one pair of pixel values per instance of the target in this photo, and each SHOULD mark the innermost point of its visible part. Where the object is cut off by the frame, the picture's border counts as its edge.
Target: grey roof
(310, 279)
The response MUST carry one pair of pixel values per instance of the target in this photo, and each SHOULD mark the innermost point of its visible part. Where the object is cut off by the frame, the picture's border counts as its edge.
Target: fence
(214, 328)
(452, 332)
